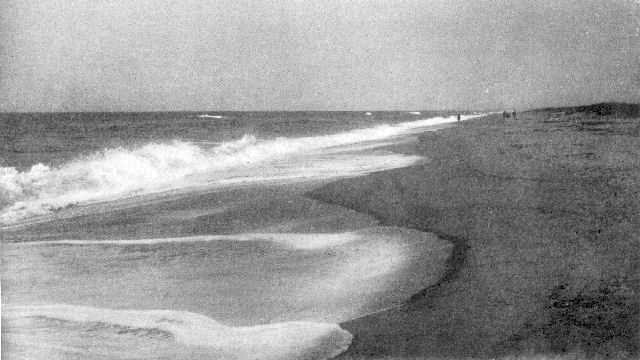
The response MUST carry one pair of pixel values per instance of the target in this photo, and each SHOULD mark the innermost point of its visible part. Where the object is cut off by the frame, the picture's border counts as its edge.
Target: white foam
(116, 173)
(298, 241)
(288, 340)
(210, 116)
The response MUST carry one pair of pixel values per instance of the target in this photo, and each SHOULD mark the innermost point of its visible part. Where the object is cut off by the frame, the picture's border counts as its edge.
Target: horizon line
(300, 111)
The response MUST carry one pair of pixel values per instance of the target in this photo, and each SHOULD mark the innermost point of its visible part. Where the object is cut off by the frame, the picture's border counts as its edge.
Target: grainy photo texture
(307, 180)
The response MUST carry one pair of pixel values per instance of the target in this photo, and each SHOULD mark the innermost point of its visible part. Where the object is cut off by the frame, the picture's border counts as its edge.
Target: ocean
(189, 235)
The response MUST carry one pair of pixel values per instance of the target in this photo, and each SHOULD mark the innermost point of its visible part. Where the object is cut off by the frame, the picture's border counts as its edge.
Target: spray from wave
(116, 173)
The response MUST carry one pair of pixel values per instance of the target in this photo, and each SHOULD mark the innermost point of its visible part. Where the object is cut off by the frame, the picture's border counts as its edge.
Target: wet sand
(253, 208)
(544, 215)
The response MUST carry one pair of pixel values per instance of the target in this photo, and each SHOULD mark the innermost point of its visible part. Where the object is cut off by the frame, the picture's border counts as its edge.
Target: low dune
(544, 215)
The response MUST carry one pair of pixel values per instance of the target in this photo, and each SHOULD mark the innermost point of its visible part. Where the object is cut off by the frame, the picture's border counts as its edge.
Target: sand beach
(544, 214)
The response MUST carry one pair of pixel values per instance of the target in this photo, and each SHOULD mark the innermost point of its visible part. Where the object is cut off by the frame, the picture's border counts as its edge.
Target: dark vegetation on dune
(600, 109)
(598, 119)
(544, 215)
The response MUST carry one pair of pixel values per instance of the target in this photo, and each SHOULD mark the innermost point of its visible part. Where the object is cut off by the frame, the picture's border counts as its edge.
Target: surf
(210, 116)
(123, 172)
(288, 340)
(234, 278)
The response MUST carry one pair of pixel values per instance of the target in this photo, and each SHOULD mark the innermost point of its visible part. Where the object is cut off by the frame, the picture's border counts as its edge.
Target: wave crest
(110, 173)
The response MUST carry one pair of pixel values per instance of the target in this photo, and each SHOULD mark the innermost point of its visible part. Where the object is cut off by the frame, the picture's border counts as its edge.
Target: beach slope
(544, 215)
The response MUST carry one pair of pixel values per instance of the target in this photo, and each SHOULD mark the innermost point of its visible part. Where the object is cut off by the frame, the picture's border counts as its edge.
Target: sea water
(188, 235)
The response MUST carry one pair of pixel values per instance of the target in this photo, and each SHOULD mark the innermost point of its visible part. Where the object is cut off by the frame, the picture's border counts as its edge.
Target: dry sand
(544, 213)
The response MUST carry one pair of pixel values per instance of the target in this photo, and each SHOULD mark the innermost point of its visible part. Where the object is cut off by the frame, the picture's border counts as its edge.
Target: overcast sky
(153, 55)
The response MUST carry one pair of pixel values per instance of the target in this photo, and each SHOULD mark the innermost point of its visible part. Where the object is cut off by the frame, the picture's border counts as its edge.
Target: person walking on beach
(458, 117)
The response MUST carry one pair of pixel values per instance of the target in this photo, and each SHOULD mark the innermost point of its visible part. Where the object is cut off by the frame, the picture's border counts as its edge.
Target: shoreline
(453, 264)
(540, 211)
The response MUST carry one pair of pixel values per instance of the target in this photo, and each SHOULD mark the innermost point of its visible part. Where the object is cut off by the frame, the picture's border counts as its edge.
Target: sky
(164, 55)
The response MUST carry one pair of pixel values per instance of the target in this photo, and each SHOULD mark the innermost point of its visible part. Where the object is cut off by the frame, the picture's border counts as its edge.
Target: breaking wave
(210, 116)
(288, 340)
(121, 172)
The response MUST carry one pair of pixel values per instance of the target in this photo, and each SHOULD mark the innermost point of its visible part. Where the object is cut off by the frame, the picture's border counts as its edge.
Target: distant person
(458, 117)
(514, 114)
